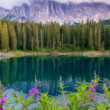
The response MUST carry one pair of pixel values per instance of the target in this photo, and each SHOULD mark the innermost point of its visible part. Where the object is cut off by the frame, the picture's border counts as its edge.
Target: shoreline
(13, 54)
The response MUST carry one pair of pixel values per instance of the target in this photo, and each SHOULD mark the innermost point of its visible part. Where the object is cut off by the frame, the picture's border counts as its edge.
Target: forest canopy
(51, 36)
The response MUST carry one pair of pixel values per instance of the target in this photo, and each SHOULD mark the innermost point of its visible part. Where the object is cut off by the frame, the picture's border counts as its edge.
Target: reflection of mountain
(51, 88)
(49, 10)
(51, 70)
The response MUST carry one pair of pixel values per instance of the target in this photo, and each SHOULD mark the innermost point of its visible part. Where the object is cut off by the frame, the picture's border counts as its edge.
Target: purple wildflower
(93, 90)
(92, 82)
(1, 108)
(33, 92)
(3, 101)
(36, 97)
(27, 96)
(3, 89)
(89, 88)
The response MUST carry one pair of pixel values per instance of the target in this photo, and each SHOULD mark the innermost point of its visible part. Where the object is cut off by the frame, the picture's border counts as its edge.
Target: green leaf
(21, 96)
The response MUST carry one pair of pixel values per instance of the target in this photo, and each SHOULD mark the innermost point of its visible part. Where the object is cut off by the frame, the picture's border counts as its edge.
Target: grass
(44, 52)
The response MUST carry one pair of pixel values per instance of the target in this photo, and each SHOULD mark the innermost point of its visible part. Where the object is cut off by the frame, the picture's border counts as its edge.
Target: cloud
(80, 1)
(8, 4)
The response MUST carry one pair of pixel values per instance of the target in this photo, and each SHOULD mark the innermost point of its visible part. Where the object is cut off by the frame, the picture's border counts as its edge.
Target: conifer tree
(62, 41)
(24, 38)
(90, 40)
(28, 35)
(36, 40)
(18, 35)
(0, 35)
(12, 37)
(66, 34)
(5, 38)
(74, 43)
(95, 37)
(48, 37)
(41, 39)
(32, 44)
(57, 38)
(83, 35)
(99, 40)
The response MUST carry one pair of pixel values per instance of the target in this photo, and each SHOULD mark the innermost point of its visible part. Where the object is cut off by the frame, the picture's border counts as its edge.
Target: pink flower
(27, 96)
(5, 96)
(96, 84)
(36, 97)
(1, 108)
(89, 88)
(33, 92)
(3, 101)
(93, 90)
(92, 82)
(33, 89)
(36, 92)
(3, 89)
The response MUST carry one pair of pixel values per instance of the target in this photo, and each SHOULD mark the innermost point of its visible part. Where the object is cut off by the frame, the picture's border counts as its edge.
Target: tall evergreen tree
(0, 35)
(90, 40)
(5, 38)
(12, 37)
(99, 40)
(24, 38)
(83, 35)
(36, 39)
(66, 34)
(28, 35)
(48, 37)
(32, 44)
(41, 39)
(62, 41)
(19, 35)
(95, 37)
(74, 43)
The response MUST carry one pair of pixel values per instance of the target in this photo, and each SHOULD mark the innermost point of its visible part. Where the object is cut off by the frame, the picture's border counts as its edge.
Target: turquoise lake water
(18, 74)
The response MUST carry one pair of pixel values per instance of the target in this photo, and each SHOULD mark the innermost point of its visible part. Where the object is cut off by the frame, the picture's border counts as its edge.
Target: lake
(18, 74)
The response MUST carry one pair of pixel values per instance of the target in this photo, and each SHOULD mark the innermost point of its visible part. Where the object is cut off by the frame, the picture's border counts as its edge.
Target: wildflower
(3, 101)
(31, 92)
(3, 89)
(34, 93)
(36, 97)
(27, 96)
(93, 90)
(89, 88)
(92, 82)
(1, 108)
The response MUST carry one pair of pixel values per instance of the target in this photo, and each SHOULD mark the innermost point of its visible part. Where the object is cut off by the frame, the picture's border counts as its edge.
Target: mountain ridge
(47, 11)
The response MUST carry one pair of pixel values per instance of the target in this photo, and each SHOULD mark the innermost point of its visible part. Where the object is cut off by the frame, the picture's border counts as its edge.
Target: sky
(8, 4)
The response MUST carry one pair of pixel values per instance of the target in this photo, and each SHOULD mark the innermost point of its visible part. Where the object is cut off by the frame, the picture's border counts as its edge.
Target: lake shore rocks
(22, 54)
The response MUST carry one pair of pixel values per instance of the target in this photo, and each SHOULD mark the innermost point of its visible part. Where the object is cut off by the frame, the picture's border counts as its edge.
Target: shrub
(86, 98)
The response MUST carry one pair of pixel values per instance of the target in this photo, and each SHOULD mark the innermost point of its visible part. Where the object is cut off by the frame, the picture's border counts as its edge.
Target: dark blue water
(19, 73)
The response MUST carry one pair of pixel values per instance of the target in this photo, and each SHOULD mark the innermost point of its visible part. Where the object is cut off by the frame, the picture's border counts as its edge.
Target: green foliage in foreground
(86, 98)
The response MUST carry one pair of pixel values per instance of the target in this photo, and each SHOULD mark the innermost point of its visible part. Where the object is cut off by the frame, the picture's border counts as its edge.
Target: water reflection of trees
(52, 69)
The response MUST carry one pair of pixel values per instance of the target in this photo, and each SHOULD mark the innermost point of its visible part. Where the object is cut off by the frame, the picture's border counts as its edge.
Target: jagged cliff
(47, 11)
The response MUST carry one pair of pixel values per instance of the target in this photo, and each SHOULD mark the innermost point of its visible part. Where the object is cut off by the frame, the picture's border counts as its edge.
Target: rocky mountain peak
(47, 11)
